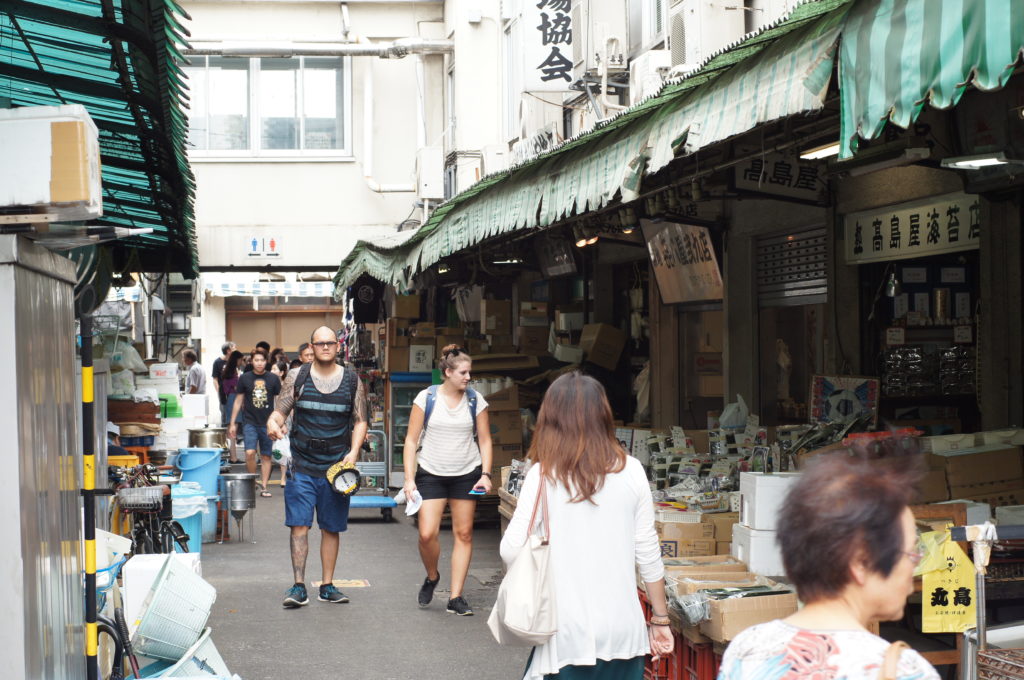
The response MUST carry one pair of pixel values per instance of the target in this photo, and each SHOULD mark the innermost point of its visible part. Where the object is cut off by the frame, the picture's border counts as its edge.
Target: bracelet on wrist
(485, 474)
(660, 625)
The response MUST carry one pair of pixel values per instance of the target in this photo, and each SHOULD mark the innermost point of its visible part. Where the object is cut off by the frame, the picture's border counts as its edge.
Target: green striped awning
(896, 56)
(781, 70)
(120, 59)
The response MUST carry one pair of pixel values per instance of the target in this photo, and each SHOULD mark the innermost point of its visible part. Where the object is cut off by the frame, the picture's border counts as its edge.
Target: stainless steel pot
(208, 438)
(159, 457)
(241, 491)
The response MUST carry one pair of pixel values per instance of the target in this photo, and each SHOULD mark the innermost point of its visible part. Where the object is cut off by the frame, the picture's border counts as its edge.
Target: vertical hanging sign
(548, 36)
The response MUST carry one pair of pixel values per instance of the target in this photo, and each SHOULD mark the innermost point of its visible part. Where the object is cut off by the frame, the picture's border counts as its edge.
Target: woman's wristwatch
(485, 474)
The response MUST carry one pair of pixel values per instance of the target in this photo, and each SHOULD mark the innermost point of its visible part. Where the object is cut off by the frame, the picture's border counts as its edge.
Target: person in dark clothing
(114, 447)
(329, 425)
(218, 368)
(257, 389)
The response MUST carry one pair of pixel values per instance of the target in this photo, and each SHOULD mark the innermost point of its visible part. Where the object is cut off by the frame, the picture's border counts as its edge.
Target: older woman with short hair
(849, 545)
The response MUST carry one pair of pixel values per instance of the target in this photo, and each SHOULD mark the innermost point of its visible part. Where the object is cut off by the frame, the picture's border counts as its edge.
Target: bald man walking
(329, 425)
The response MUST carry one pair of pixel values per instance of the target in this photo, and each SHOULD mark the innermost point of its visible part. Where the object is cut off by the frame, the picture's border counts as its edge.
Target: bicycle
(153, 529)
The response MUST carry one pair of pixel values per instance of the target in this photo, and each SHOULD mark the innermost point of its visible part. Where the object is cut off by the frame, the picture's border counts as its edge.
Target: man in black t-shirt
(218, 367)
(259, 388)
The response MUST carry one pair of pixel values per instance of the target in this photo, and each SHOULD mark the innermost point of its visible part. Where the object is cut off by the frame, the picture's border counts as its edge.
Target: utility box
(430, 173)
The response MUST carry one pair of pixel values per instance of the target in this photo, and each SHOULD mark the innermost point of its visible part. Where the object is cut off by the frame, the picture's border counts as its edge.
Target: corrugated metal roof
(120, 59)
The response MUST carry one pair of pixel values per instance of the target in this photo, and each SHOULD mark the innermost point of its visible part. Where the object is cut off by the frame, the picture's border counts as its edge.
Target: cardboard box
(457, 331)
(424, 329)
(506, 427)
(687, 585)
(421, 358)
(396, 359)
(477, 346)
(504, 400)
(533, 320)
(496, 316)
(980, 470)
(568, 353)
(533, 340)
(500, 338)
(442, 341)
(407, 307)
(603, 344)
(504, 454)
(529, 306)
(729, 618)
(999, 499)
(503, 362)
(723, 548)
(933, 487)
(710, 385)
(688, 547)
(723, 523)
(684, 530)
(397, 332)
(566, 321)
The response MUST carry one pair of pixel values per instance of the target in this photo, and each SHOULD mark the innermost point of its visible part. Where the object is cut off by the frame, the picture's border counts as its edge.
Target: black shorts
(433, 486)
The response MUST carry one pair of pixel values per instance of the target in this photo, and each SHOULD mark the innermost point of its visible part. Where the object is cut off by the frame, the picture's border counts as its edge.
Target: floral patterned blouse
(780, 651)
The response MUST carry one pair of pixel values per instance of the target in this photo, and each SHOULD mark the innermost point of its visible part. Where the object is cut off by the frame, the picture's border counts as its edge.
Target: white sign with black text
(778, 174)
(548, 36)
(684, 262)
(943, 224)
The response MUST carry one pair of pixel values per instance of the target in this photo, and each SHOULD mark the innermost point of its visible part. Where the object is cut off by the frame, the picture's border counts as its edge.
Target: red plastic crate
(698, 660)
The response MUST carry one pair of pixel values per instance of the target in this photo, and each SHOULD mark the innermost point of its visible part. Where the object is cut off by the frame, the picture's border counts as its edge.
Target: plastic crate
(174, 613)
(138, 441)
(698, 661)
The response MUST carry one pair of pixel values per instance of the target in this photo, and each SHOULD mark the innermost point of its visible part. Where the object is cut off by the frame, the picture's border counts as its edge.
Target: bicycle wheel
(143, 539)
(177, 533)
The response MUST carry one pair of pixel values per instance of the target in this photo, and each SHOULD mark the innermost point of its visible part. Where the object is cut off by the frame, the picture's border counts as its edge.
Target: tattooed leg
(300, 549)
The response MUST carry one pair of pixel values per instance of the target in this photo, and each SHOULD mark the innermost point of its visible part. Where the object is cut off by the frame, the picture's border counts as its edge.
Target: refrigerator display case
(402, 389)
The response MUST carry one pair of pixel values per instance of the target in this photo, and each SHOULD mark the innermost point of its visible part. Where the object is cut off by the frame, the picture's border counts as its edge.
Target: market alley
(380, 635)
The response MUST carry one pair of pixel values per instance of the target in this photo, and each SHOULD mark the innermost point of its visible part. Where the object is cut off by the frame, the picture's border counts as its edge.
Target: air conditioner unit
(430, 173)
(646, 73)
(495, 158)
(698, 28)
(593, 23)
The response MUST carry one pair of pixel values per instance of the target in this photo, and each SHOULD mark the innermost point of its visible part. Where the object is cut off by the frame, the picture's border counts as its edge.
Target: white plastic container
(163, 371)
(758, 550)
(174, 613)
(1009, 437)
(762, 496)
(977, 513)
(1010, 515)
(948, 442)
(140, 572)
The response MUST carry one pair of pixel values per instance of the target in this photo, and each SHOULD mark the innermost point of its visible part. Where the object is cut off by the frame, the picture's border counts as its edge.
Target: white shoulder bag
(524, 614)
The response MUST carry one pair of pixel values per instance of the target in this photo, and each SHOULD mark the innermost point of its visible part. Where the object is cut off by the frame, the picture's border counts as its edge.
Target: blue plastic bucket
(188, 515)
(193, 526)
(210, 520)
(200, 465)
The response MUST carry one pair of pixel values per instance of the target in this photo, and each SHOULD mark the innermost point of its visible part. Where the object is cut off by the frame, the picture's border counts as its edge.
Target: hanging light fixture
(892, 285)
(578, 237)
(628, 220)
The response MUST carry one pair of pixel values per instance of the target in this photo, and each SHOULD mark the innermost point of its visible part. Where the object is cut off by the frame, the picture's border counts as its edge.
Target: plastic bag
(734, 414)
(948, 597)
(931, 543)
(282, 451)
(122, 382)
(128, 358)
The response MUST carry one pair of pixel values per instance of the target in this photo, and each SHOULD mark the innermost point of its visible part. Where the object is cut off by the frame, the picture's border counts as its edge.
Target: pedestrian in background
(258, 389)
(329, 425)
(229, 376)
(849, 546)
(195, 379)
(306, 354)
(218, 368)
(601, 518)
(450, 460)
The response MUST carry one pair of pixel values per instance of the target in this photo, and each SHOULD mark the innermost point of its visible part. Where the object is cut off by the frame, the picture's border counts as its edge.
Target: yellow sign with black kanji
(948, 594)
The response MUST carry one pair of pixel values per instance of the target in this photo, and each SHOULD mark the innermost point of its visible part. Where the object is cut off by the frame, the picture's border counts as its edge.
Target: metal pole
(89, 499)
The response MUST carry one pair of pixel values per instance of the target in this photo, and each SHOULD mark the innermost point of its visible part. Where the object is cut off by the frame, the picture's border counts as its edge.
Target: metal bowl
(208, 438)
(159, 457)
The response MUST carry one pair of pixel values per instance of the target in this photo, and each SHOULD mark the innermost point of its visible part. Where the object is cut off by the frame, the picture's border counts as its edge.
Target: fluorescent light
(976, 162)
(514, 260)
(819, 152)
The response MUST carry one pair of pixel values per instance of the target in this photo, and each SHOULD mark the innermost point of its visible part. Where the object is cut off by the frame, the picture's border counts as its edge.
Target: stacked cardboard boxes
(506, 429)
(695, 534)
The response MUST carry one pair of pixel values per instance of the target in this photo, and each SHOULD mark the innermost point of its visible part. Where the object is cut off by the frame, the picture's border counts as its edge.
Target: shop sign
(262, 246)
(548, 45)
(271, 289)
(944, 224)
(777, 174)
(708, 363)
(539, 142)
(684, 262)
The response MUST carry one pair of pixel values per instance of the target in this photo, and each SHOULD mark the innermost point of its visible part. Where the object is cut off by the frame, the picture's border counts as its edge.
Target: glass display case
(402, 389)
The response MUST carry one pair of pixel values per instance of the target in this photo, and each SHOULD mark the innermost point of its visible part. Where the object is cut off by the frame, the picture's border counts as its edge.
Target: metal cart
(375, 471)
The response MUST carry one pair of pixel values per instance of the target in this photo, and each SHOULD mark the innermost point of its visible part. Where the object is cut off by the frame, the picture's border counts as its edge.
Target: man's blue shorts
(257, 439)
(303, 493)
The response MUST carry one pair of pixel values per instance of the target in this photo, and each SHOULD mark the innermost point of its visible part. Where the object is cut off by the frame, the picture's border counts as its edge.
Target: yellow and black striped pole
(89, 499)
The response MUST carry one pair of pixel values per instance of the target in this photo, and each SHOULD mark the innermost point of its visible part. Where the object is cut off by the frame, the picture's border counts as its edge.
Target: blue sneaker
(328, 593)
(296, 597)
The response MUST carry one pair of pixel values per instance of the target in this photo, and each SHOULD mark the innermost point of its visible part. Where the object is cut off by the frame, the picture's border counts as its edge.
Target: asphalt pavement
(381, 634)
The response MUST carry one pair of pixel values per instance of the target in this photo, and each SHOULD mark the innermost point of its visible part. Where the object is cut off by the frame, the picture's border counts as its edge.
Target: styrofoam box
(948, 442)
(758, 550)
(762, 496)
(977, 513)
(158, 371)
(1010, 515)
(139, 573)
(1010, 437)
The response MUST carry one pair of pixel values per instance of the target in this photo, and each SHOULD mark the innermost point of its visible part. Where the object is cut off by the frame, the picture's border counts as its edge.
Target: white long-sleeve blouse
(595, 549)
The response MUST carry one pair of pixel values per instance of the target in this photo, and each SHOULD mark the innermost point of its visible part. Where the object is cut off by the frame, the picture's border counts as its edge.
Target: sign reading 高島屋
(547, 45)
(684, 262)
(943, 224)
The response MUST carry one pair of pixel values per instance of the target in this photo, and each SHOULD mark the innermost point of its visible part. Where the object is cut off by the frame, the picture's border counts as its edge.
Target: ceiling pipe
(396, 49)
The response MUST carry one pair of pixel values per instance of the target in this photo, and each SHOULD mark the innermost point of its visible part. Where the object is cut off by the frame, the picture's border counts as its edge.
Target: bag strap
(891, 659)
(431, 399)
(471, 398)
(300, 380)
(542, 501)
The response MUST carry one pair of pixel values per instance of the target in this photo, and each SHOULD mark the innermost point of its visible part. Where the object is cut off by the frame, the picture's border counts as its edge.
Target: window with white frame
(269, 106)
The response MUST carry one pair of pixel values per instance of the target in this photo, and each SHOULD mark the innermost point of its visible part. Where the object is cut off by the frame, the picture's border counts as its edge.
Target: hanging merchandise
(366, 295)
(948, 595)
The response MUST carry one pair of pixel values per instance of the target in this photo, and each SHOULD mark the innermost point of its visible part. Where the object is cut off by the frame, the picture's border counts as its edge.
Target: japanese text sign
(548, 33)
(947, 595)
(943, 224)
(781, 175)
(684, 262)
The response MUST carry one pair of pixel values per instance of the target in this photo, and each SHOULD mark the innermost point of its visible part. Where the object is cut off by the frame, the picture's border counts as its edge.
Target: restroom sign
(262, 246)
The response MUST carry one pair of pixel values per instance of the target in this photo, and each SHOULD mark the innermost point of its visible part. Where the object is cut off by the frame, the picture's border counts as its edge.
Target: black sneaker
(458, 605)
(296, 597)
(329, 593)
(427, 591)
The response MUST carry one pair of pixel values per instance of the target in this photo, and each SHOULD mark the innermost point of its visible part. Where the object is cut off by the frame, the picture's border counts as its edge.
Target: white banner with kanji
(547, 49)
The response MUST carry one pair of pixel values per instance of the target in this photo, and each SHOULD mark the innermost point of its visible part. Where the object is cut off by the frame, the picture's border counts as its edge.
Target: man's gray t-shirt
(197, 377)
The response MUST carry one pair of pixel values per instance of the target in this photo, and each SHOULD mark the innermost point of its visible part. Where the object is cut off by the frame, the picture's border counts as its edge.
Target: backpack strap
(471, 396)
(431, 399)
(300, 380)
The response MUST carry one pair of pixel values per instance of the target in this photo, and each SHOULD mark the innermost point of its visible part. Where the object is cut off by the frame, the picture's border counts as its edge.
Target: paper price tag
(895, 337)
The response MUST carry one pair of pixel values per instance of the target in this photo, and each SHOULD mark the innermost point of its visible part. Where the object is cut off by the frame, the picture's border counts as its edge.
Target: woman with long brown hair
(601, 518)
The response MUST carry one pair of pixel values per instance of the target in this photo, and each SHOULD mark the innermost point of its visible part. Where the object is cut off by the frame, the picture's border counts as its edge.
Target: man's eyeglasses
(324, 345)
